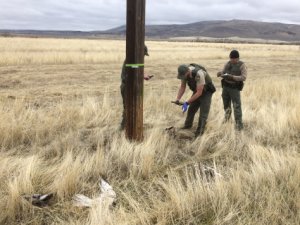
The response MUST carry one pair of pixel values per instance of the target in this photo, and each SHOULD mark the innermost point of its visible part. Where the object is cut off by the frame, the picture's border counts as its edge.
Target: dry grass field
(60, 109)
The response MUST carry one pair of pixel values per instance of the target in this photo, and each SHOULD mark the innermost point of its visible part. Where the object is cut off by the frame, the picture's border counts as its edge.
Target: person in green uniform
(199, 81)
(123, 87)
(233, 76)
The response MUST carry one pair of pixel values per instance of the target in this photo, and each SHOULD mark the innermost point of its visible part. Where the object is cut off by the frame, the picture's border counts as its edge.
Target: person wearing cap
(199, 81)
(123, 87)
(233, 76)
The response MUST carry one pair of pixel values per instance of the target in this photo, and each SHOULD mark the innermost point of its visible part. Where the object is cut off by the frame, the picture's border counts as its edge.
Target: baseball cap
(182, 69)
(234, 54)
(146, 50)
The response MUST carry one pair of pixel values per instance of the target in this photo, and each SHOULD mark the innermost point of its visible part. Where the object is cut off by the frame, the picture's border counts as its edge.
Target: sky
(88, 15)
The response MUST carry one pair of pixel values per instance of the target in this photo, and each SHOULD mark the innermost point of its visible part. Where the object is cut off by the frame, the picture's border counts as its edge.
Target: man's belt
(231, 85)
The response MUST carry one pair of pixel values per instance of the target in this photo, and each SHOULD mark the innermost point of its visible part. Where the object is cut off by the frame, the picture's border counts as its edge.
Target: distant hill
(243, 29)
(222, 29)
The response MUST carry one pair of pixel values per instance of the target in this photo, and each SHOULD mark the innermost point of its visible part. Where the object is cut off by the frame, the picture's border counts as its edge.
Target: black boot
(200, 128)
(227, 115)
(239, 125)
(188, 123)
(185, 127)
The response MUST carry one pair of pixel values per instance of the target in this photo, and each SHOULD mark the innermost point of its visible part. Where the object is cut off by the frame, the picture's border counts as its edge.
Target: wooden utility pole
(135, 37)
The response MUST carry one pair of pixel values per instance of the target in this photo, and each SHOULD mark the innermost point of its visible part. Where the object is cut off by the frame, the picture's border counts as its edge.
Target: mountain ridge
(223, 29)
(210, 29)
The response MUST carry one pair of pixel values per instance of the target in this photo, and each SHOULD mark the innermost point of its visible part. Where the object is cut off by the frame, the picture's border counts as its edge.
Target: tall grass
(59, 134)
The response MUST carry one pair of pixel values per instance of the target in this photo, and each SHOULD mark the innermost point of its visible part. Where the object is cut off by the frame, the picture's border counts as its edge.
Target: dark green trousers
(202, 103)
(232, 95)
(122, 125)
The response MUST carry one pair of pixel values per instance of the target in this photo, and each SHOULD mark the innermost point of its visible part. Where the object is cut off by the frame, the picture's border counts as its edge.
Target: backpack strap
(197, 66)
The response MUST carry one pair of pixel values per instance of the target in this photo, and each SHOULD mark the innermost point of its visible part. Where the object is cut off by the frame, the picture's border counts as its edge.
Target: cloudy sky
(88, 15)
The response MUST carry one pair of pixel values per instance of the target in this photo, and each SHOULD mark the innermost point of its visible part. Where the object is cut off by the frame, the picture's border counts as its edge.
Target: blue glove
(185, 106)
